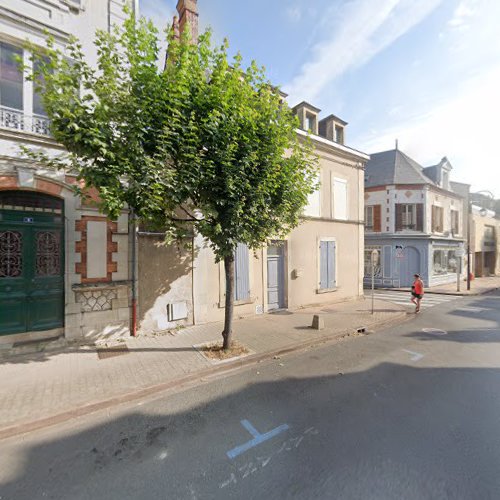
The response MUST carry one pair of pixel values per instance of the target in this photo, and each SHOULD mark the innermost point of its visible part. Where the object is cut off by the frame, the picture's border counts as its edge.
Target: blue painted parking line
(258, 438)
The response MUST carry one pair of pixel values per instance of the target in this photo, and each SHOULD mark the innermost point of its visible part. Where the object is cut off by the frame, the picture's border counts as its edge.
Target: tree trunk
(228, 316)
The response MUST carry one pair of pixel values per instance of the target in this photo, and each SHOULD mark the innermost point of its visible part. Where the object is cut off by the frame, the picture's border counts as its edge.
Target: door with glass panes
(31, 262)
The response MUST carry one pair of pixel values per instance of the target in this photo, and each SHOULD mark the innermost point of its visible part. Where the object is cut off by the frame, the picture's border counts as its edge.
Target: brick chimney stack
(188, 13)
(175, 28)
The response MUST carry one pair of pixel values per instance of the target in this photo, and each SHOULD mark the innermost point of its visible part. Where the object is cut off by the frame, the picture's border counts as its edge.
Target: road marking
(415, 356)
(434, 331)
(258, 438)
(258, 463)
(470, 309)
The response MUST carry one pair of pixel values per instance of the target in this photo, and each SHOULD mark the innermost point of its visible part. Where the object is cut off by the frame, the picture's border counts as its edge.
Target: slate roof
(394, 167)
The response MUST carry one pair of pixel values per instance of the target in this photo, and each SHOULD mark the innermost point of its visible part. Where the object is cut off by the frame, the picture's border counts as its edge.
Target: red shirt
(419, 287)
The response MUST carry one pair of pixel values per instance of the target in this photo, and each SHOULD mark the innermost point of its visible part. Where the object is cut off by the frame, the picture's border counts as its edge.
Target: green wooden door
(31, 271)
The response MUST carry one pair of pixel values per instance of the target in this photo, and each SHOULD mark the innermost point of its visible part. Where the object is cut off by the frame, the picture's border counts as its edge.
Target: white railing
(14, 119)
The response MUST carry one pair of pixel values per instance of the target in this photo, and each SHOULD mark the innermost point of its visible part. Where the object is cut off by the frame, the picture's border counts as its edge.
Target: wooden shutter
(377, 218)
(399, 217)
(420, 216)
(433, 218)
(241, 273)
(332, 279)
(327, 264)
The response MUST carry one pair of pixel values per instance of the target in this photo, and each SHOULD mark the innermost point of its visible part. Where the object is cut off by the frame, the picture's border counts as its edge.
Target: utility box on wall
(177, 310)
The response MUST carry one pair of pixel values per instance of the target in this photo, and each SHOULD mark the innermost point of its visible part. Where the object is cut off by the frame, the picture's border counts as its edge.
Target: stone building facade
(414, 220)
(64, 268)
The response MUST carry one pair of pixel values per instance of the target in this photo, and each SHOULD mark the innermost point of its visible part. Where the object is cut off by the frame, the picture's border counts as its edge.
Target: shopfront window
(444, 261)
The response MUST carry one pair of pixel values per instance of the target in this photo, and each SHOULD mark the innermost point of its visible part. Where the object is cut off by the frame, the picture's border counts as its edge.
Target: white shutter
(313, 208)
(339, 199)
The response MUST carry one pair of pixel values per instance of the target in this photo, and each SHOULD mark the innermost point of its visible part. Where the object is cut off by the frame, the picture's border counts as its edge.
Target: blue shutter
(332, 281)
(327, 250)
(323, 265)
(241, 273)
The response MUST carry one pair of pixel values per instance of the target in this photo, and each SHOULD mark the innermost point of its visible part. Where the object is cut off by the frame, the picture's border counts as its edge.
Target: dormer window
(332, 128)
(311, 123)
(339, 134)
(308, 117)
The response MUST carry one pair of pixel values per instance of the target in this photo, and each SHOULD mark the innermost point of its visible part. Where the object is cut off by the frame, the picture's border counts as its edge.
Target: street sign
(459, 252)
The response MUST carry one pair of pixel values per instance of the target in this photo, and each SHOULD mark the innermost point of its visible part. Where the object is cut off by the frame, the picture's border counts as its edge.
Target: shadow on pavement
(390, 432)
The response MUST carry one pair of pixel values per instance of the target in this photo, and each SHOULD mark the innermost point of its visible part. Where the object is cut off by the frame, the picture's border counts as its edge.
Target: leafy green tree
(199, 144)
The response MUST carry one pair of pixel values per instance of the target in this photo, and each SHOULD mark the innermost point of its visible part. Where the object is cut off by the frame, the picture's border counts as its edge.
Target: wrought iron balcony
(14, 119)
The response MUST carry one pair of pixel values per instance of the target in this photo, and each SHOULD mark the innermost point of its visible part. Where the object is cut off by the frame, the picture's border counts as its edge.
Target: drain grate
(111, 352)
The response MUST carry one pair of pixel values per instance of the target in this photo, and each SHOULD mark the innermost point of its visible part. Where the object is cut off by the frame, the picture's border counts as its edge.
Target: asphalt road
(411, 412)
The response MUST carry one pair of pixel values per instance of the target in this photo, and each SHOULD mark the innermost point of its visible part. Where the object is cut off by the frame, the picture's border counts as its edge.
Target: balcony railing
(14, 119)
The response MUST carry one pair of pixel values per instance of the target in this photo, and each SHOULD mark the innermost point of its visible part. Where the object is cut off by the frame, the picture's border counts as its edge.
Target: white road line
(415, 356)
(403, 298)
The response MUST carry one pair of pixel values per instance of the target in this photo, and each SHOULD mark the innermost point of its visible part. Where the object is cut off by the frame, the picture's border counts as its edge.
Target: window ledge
(326, 290)
(250, 300)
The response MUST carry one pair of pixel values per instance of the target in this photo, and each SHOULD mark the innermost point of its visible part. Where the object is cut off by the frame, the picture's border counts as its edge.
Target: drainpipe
(134, 274)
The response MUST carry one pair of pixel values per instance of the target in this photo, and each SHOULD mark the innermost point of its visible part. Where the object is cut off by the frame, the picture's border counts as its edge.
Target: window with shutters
(409, 216)
(241, 273)
(327, 267)
(454, 222)
(437, 219)
(369, 218)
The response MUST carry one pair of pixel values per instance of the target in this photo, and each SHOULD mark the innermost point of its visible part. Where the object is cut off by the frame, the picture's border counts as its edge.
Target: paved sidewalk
(48, 387)
(478, 286)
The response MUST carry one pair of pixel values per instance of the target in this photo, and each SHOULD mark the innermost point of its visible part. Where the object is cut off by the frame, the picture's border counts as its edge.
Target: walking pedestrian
(417, 292)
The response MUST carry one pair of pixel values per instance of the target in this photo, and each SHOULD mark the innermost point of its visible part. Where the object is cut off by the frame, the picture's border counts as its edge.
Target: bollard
(318, 322)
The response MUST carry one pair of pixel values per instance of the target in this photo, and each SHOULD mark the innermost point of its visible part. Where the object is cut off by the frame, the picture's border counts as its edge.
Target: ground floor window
(444, 261)
(377, 266)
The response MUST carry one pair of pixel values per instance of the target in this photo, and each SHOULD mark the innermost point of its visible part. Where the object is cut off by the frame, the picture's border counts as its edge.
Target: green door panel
(31, 271)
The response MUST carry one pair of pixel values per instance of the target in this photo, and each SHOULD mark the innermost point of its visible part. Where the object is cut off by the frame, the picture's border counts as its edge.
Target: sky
(424, 72)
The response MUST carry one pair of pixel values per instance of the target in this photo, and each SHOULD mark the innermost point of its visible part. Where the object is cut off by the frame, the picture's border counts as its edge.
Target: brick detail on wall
(8, 182)
(81, 248)
(49, 187)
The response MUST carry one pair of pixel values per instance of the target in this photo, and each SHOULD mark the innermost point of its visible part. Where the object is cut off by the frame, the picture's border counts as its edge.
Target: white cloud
(358, 32)
(294, 13)
(466, 9)
(463, 128)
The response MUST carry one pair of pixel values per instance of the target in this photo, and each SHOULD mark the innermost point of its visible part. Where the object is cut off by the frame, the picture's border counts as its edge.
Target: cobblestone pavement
(42, 385)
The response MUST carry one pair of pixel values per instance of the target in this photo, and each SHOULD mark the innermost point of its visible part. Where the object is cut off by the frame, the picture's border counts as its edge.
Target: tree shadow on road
(392, 431)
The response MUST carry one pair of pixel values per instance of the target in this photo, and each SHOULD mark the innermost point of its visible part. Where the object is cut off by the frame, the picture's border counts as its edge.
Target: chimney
(188, 13)
(175, 28)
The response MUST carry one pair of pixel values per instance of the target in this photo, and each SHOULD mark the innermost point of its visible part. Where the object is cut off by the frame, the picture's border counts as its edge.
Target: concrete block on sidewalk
(318, 322)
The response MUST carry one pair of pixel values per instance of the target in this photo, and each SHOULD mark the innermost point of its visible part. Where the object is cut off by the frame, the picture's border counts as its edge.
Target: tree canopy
(201, 143)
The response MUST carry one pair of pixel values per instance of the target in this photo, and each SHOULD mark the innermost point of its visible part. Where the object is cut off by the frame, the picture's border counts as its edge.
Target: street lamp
(483, 212)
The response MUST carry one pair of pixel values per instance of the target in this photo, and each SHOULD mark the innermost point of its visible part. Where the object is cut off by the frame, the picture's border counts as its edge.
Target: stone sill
(82, 287)
(326, 290)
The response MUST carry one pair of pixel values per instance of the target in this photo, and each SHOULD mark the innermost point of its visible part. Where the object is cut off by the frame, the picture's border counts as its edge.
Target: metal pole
(373, 281)
(468, 245)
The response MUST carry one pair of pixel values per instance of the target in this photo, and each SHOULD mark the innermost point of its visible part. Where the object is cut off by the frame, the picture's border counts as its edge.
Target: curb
(456, 294)
(181, 382)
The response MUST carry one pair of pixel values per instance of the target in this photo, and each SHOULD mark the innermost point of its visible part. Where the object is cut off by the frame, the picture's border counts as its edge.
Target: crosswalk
(403, 298)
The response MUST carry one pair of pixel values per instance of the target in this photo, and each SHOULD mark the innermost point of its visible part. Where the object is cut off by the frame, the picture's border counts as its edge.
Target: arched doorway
(31, 262)
(410, 265)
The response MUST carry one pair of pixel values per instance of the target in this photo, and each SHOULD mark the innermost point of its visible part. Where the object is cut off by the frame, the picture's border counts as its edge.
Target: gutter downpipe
(469, 215)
